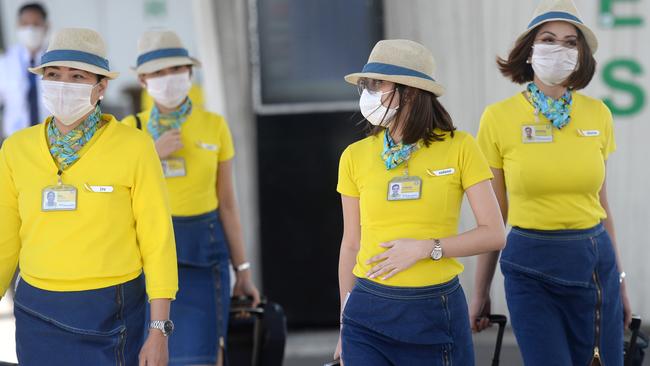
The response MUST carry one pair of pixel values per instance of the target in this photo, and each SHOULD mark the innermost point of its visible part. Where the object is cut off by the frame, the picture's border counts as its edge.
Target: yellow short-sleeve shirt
(551, 185)
(362, 174)
(206, 142)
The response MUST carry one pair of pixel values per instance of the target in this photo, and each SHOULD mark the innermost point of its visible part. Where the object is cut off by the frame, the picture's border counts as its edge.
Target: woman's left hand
(627, 309)
(244, 287)
(154, 352)
(401, 254)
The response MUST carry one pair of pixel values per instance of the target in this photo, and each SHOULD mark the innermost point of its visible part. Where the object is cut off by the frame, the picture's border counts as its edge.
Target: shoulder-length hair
(424, 114)
(517, 68)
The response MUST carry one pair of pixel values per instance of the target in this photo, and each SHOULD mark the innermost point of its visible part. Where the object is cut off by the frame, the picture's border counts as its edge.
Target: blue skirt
(563, 294)
(387, 325)
(200, 311)
(95, 327)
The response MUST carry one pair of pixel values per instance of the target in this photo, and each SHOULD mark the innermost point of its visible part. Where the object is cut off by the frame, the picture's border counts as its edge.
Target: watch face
(436, 254)
(168, 327)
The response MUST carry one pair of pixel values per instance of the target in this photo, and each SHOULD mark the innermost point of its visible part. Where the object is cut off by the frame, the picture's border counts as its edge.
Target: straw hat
(563, 10)
(401, 61)
(161, 49)
(78, 48)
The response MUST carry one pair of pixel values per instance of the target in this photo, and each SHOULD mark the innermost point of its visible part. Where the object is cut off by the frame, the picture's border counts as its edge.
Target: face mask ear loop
(389, 103)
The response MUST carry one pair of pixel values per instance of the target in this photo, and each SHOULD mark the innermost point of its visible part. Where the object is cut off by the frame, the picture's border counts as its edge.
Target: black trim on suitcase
(256, 335)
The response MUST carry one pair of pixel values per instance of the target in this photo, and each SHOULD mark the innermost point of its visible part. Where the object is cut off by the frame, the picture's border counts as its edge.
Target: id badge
(404, 188)
(61, 197)
(174, 167)
(536, 133)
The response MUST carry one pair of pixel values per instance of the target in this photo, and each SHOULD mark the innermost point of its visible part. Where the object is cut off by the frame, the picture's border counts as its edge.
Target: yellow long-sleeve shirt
(110, 238)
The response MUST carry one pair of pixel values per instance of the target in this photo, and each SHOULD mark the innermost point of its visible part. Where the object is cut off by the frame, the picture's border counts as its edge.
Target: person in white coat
(20, 89)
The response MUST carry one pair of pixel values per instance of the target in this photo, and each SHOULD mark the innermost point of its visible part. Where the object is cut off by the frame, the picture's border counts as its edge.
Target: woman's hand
(627, 309)
(479, 309)
(154, 352)
(244, 287)
(337, 351)
(401, 254)
(169, 143)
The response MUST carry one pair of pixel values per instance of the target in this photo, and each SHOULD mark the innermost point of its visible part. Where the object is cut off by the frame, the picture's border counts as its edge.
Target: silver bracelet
(621, 277)
(242, 267)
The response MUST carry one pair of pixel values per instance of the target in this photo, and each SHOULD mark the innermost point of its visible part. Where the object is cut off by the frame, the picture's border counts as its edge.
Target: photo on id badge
(404, 188)
(536, 133)
(59, 198)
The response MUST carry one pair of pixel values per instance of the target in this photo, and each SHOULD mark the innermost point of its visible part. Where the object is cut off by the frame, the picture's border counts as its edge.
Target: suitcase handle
(247, 310)
(635, 325)
(501, 321)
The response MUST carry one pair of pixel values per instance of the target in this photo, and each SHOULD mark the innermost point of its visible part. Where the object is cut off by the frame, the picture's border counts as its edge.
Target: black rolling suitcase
(256, 336)
(635, 347)
(500, 320)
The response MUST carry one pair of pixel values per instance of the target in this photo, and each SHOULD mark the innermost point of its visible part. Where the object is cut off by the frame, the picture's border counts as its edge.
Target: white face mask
(31, 37)
(373, 110)
(68, 102)
(553, 64)
(169, 90)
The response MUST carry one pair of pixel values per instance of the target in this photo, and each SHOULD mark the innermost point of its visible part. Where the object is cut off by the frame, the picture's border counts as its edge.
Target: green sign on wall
(622, 74)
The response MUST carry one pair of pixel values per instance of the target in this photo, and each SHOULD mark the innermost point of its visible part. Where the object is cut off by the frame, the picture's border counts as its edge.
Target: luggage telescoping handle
(500, 320)
(635, 325)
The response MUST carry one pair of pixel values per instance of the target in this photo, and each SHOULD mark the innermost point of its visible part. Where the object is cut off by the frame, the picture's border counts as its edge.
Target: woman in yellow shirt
(401, 190)
(548, 148)
(196, 151)
(84, 212)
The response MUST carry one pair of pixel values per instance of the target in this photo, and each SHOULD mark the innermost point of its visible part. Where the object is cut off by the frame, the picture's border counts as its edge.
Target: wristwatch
(436, 253)
(165, 326)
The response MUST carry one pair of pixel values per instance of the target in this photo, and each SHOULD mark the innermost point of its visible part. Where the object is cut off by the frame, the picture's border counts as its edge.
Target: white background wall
(465, 36)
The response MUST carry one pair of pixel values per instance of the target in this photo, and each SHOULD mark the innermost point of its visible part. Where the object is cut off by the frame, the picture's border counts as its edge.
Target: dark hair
(520, 71)
(33, 7)
(425, 114)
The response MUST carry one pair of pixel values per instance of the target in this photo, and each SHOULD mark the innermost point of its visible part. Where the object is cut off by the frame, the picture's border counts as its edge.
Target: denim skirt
(99, 327)
(563, 293)
(200, 311)
(388, 325)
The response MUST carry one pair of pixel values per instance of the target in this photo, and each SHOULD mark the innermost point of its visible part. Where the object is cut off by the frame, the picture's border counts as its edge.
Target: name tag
(588, 133)
(99, 189)
(61, 197)
(441, 172)
(531, 134)
(206, 146)
(174, 167)
(404, 188)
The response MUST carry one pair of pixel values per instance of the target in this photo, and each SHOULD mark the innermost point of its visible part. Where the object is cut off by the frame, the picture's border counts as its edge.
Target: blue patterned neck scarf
(65, 148)
(557, 111)
(395, 154)
(161, 123)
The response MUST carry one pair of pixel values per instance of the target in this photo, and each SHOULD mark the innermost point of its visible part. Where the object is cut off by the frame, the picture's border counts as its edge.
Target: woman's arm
(486, 264)
(349, 248)
(229, 213)
(489, 235)
(609, 225)
(154, 352)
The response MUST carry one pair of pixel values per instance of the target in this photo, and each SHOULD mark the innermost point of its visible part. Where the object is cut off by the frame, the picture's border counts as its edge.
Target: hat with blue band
(161, 49)
(401, 61)
(77, 48)
(561, 10)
